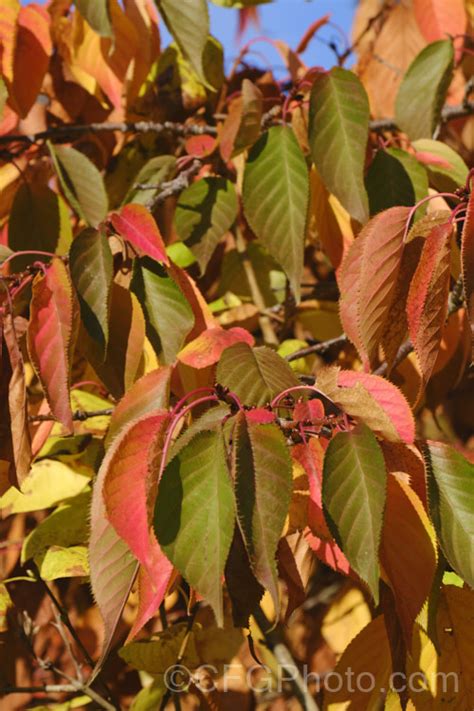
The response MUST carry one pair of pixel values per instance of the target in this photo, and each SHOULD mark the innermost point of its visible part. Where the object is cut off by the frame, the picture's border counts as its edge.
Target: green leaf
(206, 210)
(188, 23)
(96, 12)
(155, 171)
(39, 219)
(169, 316)
(91, 267)
(338, 132)
(423, 90)
(446, 169)
(150, 697)
(451, 502)
(155, 656)
(67, 526)
(354, 490)
(275, 196)
(395, 178)
(263, 486)
(82, 184)
(255, 375)
(195, 514)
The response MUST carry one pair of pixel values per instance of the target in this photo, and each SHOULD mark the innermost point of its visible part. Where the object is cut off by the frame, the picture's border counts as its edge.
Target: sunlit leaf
(275, 197)
(207, 348)
(189, 25)
(446, 169)
(438, 19)
(339, 124)
(195, 514)
(354, 483)
(423, 90)
(137, 226)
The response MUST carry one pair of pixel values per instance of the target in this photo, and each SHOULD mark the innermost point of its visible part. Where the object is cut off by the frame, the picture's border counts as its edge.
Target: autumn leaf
(138, 227)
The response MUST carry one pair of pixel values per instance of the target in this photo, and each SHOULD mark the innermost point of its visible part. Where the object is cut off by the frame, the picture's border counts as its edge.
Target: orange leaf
(310, 32)
(51, 335)
(207, 348)
(407, 552)
(437, 19)
(310, 456)
(427, 303)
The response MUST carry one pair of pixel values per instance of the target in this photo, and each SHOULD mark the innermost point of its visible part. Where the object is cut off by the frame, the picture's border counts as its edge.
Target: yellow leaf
(347, 616)
(362, 674)
(155, 656)
(5, 604)
(59, 562)
(48, 483)
(318, 319)
(445, 680)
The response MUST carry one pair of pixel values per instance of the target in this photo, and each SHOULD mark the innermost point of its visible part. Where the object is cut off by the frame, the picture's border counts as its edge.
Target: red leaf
(310, 32)
(427, 303)
(310, 411)
(260, 415)
(129, 486)
(207, 348)
(150, 597)
(50, 337)
(467, 255)
(135, 224)
(200, 146)
(329, 553)
(388, 397)
(437, 19)
(311, 456)
(381, 258)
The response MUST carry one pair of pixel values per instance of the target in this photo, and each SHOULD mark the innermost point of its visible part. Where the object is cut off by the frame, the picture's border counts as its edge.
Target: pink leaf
(310, 411)
(207, 348)
(329, 553)
(431, 159)
(150, 597)
(135, 224)
(260, 415)
(50, 337)
(388, 397)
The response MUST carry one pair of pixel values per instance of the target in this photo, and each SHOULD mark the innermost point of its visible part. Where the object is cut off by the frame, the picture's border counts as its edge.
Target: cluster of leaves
(177, 381)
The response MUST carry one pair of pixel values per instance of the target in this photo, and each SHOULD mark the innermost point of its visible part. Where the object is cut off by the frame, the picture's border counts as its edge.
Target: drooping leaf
(38, 220)
(437, 19)
(467, 255)
(149, 393)
(31, 52)
(311, 457)
(82, 184)
(382, 254)
(275, 197)
(189, 25)
(204, 213)
(151, 588)
(255, 375)
(348, 282)
(135, 223)
(369, 650)
(339, 125)
(423, 90)
(446, 168)
(51, 335)
(407, 551)
(96, 12)
(427, 303)
(159, 654)
(354, 488)
(207, 348)
(168, 313)
(244, 589)
(195, 515)
(395, 178)
(329, 553)
(450, 498)
(243, 123)
(263, 486)
(91, 265)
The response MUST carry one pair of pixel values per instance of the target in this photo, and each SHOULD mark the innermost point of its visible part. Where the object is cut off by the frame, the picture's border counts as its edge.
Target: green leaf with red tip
(195, 515)
(135, 224)
(263, 487)
(338, 133)
(50, 337)
(354, 490)
(275, 197)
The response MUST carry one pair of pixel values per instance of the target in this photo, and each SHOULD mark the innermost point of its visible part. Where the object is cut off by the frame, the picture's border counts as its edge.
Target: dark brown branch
(319, 348)
(70, 131)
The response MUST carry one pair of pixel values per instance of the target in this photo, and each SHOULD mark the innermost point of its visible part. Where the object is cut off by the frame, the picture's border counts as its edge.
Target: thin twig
(319, 348)
(175, 186)
(68, 131)
(79, 415)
